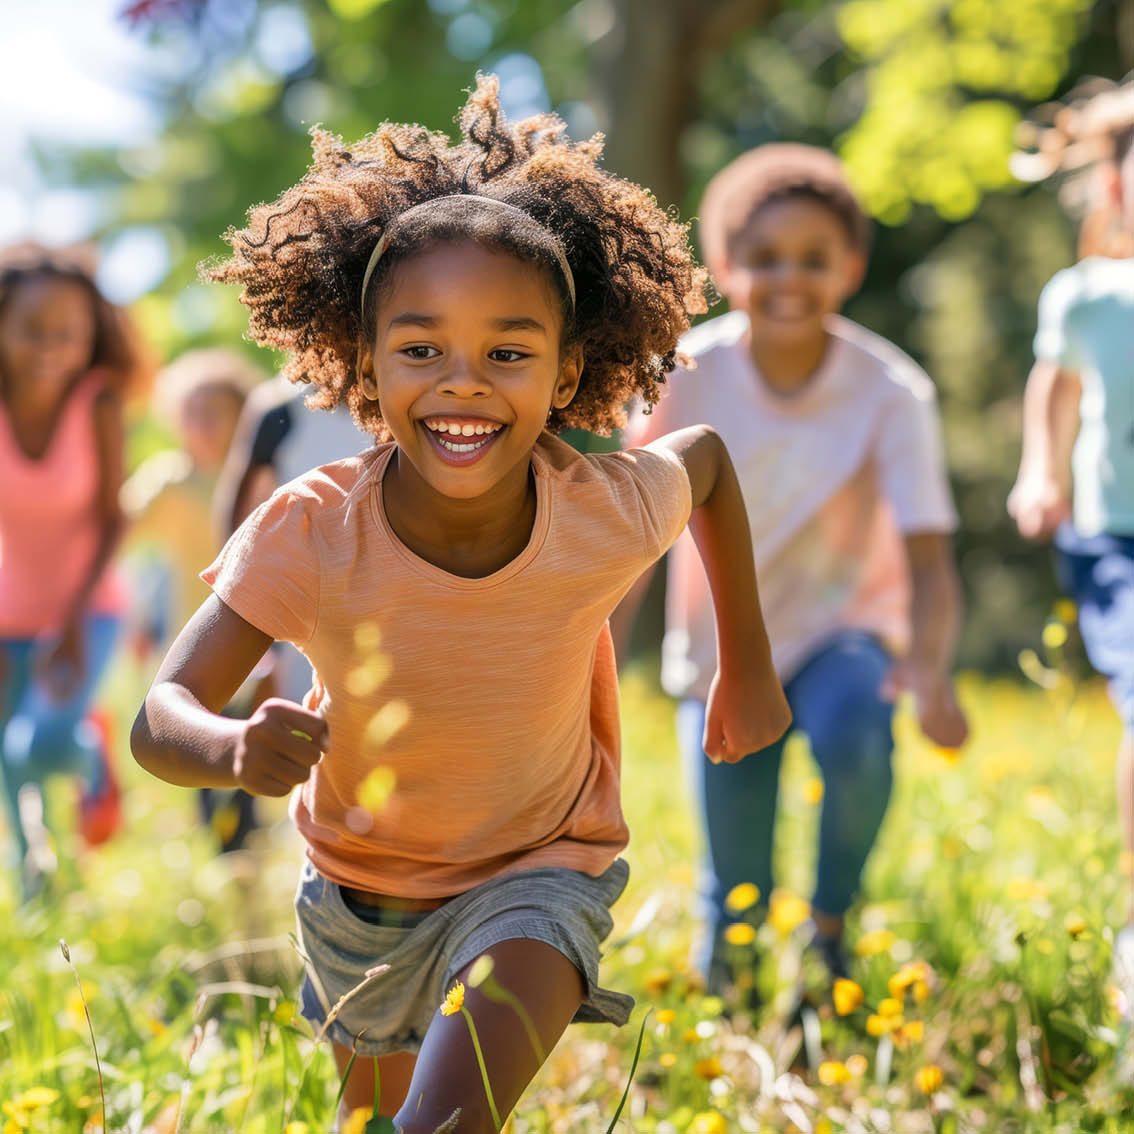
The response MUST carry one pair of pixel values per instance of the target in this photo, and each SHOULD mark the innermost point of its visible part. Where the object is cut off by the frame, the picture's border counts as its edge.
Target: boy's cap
(769, 173)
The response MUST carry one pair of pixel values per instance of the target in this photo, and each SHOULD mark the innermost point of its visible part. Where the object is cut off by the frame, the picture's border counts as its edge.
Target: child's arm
(926, 670)
(179, 735)
(746, 710)
(1041, 498)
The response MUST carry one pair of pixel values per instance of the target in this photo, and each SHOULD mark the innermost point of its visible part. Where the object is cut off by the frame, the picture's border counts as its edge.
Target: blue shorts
(1098, 571)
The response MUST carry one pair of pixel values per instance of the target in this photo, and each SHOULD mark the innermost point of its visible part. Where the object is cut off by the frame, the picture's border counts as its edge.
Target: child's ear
(364, 371)
(570, 374)
(855, 273)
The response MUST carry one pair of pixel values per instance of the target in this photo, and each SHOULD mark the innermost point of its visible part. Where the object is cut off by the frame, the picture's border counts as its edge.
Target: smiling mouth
(461, 440)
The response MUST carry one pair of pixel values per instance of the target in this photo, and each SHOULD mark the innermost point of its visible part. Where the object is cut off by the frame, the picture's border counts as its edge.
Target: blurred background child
(835, 436)
(169, 503)
(1076, 478)
(66, 356)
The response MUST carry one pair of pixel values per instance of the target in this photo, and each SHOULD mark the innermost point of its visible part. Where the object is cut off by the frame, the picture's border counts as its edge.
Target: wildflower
(481, 970)
(296, 1128)
(786, 912)
(35, 1097)
(1075, 924)
(454, 1000)
(690, 1035)
(875, 942)
(907, 976)
(356, 1123)
(928, 1078)
(658, 981)
(708, 1068)
(890, 1008)
(666, 1016)
(1065, 610)
(832, 1073)
(284, 1012)
(1054, 636)
(847, 996)
(708, 1122)
(813, 791)
(742, 897)
(667, 1059)
(740, 933)
(913, 1031)
(1044, 946)
(947, 753)
(13, 1127)
(877, 1025)
(857, 1065)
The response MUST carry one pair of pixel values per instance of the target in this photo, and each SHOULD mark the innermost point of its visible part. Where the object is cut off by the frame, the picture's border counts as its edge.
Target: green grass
(982, 865)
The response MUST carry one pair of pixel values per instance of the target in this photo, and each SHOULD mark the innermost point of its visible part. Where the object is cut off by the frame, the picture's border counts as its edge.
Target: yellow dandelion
(708, 1122)
(742, 897)
(913, 1031)
(929, 1078)
(877, 1025)
(786, 912)
(906, 977)
(740, 933)
(1024, 889)
(1065, 610)
(813, 791)
(832, 1073)
(1075, 924)
(708, 1068)
(296, 1128)
(690, 1035)
(874, 942)
(12, 1127)
(667, 1059)
(947, 753)
(847, 996)
(890, 1008)
(657, 981)
(1054, 635)
(1044, 946)
(35, 1097)
(857, 1065)
(454, 1000)
(666, 1016)
(921, 991)
(356, 1123)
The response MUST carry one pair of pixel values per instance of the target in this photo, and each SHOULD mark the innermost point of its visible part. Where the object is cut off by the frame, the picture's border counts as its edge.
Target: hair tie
(384, 243)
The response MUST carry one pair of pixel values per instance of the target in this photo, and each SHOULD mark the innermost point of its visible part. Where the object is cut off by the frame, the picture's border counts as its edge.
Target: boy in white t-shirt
(836, 440)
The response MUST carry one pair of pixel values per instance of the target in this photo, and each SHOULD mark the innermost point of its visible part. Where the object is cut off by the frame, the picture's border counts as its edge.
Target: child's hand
(61, 668)
(279, 745)
(1038, 505)
(938, 714)
(744, 715)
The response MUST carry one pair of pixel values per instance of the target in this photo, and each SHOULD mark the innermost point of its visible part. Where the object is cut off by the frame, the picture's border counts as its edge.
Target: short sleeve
(268, 571)
(1054, 341)
(911, 462)
(652, 492)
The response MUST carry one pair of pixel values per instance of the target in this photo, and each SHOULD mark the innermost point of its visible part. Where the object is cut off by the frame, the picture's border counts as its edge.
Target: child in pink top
(458, 754)
(836, 440)
(65, 357)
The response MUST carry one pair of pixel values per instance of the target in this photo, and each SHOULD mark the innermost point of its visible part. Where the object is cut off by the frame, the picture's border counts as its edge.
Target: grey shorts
(562, 908)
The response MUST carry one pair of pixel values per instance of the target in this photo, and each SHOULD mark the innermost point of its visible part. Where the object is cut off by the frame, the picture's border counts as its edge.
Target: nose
(463, 378)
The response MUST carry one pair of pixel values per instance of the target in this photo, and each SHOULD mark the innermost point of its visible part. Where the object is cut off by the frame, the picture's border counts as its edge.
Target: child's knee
(858, 743)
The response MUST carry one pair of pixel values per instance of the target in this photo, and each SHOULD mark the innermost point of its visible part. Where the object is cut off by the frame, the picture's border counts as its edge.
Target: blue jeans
(835, 700)
(40, 736)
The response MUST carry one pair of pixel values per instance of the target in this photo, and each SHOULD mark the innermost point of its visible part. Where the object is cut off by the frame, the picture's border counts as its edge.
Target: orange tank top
(49, 528)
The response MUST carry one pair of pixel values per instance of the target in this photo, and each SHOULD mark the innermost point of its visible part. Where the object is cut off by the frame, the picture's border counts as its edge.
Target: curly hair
(771, 173)
(301, 259)
(118, 350)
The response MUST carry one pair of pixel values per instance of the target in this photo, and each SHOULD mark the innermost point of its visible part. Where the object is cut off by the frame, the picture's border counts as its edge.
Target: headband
(384, 243)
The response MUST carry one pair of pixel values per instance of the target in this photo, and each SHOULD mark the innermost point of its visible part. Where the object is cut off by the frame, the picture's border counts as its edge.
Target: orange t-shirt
(505, 750)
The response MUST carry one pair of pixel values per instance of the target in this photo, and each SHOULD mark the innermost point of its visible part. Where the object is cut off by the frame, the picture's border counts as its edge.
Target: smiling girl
(467, 302)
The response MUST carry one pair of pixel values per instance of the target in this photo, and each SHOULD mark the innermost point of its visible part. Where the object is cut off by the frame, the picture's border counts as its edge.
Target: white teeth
(454, 429)
(479, 430)
(468, 430)
(455, 448)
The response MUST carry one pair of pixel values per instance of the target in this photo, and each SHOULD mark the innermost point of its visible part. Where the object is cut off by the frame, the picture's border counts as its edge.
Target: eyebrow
(512, 323)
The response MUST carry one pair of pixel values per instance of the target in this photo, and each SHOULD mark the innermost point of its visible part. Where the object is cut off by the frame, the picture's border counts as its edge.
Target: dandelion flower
(913, 1031)
(1075, 924)
(708, 1122)
(742, 897)
(813, 791)
(906, 977)
(928, 1078)
(1054, 635)
(832, 1073)
(35, 1097)
(296, 1128)
(666, 1016)
(857, 1065)
(740, 933)
(356, 1123)
(877, 1025)
(667, 1059)
(454, 1000)
(847, 996)
(948, 753)
(658, 981)
(690, 1035)
(786, 912)
(708, 1068)
(890, 1008)
(1065, 610)
(875, 942)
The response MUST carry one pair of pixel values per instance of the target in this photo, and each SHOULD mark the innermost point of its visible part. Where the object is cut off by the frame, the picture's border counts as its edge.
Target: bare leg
(1124, 782)
(394, 1071)
(447, 1077)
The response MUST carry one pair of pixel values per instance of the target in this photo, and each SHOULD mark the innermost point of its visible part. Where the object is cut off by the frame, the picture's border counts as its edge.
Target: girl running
(467, 302)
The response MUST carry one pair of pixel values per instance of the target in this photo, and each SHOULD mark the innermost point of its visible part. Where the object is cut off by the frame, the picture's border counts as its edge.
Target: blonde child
(468, 302)
(1076, 477)
(836, 440)
(66, 356)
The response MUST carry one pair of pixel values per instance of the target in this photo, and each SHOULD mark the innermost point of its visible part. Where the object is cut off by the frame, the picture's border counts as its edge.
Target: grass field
(999, 870)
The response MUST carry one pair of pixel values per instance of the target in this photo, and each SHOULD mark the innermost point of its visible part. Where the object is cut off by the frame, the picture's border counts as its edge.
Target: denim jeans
(40, 736)
(835, 700)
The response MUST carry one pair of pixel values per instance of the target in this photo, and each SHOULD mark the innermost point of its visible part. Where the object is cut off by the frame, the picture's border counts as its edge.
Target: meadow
(981, 948)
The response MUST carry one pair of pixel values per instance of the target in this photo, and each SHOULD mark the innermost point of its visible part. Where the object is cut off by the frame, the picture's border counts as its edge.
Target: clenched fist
(279, 745)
